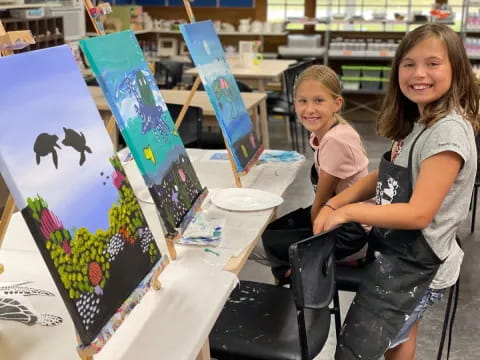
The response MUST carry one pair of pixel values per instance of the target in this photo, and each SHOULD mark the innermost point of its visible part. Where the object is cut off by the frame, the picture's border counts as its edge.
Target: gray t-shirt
(451, 133)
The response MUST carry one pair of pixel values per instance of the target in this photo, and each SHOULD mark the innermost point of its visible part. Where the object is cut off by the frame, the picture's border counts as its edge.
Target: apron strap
(410, 155)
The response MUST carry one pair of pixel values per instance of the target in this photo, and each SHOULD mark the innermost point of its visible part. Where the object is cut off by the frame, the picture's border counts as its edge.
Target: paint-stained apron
(401, 269)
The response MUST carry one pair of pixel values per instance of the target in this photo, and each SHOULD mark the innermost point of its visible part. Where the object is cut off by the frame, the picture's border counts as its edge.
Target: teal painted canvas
(145, 123)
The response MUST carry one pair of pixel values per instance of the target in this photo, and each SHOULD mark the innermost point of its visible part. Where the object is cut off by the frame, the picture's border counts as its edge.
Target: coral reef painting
(60, 166)
(145, 123)
(222, 89)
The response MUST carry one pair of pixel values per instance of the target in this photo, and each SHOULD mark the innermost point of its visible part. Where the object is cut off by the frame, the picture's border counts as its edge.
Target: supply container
(371, 71)
(351, 82)
(371, 83)
(351, 70)
(386, 70)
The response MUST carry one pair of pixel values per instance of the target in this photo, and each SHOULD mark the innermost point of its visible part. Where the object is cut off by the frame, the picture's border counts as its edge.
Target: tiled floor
(466, 345)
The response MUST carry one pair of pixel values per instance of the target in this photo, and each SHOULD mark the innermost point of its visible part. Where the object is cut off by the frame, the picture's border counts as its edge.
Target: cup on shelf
(244, 28)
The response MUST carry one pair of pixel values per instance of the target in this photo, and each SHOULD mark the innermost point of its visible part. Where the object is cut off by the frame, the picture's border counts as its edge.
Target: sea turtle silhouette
(76, 141)
(45, 144)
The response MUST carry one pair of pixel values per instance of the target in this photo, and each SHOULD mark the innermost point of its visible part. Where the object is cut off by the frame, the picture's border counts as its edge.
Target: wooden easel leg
(182, 113)
(170, 240)
(5, 220)
(112, 131)
(204, 353)
(155, 282)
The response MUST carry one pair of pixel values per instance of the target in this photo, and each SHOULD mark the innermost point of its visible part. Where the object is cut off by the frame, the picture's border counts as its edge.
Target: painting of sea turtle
(44, 145)
(76, 141)
(81, 211)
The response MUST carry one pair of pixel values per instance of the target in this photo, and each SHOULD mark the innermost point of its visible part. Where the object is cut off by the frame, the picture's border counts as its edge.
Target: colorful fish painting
(145, 123)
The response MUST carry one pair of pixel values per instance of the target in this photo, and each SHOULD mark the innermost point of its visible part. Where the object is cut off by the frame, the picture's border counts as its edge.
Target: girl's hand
(321, 219)
(328, 219)
(336, 219)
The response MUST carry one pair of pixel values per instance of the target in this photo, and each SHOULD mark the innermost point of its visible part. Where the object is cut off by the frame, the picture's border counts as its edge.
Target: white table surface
(172, 323)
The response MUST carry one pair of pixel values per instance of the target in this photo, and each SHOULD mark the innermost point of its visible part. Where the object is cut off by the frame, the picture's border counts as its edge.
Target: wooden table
(254, 102)
(266, 70)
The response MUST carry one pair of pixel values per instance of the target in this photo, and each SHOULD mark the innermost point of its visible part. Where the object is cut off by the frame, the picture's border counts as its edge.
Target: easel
(172, 232)
(87, 352)
(236, 173)
(95, 13)
(9, 41)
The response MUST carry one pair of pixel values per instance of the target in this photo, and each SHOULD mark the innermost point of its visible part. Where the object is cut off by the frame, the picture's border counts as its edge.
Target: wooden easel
(87, 352)
(236, 173)
(94, 14)
(8, 42)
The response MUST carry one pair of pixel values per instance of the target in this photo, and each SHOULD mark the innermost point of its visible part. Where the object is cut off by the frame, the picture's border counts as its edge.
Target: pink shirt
(340, 153)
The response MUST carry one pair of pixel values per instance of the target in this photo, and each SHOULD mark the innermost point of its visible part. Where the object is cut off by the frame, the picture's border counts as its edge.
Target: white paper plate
(244, 199)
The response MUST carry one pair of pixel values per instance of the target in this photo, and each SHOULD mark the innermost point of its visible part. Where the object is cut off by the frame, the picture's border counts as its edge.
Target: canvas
(60, 167)
(237, 127)
(145, 123)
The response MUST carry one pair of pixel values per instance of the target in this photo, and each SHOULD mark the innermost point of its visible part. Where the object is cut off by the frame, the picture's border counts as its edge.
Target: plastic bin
(351, 70)
(351, 82)
(371, 83)
(386, 70)
(372, 71)
(384, 84)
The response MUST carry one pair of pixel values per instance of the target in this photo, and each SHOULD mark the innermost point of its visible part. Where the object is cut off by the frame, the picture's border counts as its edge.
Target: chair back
(290, 75)
(477, 142)
(168, 73)
(191, 127)
(313, 270)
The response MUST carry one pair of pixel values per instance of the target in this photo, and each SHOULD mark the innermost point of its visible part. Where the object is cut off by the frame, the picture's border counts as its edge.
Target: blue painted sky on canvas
(46, 92)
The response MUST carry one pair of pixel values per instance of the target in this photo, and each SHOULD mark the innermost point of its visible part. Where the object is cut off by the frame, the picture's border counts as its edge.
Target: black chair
(284, 105)
(263, 321)
(473, 204)
(168, 73)
(191, 127)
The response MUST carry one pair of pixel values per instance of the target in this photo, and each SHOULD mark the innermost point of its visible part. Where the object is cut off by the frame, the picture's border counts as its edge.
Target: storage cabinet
(47, 31)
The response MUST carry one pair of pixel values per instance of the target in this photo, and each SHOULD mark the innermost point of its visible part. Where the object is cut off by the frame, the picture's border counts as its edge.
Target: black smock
(402, 266)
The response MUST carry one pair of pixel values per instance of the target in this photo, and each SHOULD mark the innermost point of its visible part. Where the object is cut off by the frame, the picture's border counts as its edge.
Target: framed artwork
(219, 83)
(60, 167)
(143, 119)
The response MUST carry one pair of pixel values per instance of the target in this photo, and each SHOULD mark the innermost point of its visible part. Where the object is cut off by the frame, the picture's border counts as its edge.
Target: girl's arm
(362, 190)
(326, 186)
(436, 176)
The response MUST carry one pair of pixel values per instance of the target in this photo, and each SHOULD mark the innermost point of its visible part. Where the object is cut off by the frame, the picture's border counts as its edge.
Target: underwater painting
(219, 83)
(61, 168)
(145, 123)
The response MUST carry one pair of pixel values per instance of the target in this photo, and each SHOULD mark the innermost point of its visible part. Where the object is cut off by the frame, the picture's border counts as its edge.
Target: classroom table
(266, 70)
(255, 104)
(173, 322)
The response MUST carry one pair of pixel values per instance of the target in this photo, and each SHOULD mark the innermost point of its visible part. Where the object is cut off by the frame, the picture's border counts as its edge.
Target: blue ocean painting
(130, 88)
(61, 168)
(219, 83)
(53, 107)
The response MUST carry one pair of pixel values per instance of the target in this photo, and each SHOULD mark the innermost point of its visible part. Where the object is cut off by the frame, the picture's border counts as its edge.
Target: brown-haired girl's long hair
(326, 77)
(398, 113)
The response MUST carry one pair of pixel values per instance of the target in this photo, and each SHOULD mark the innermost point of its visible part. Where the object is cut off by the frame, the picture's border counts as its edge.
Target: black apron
(402, 266)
